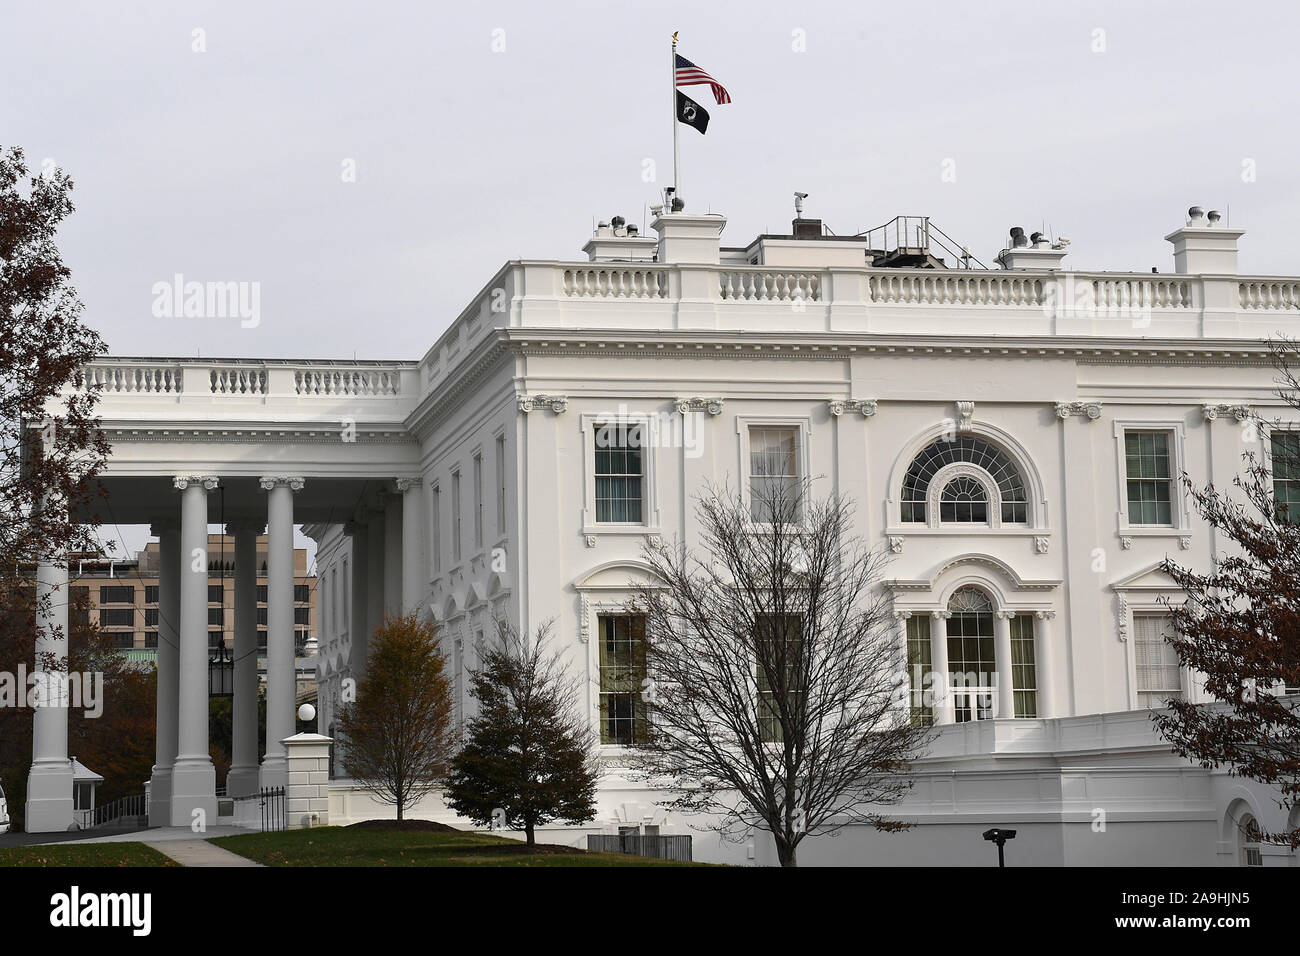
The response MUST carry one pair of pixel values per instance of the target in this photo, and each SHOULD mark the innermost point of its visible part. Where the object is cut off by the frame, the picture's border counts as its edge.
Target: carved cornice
(866, 407)
(206, 482)
(1067, 410)
(556, 403)
(711, 405)
(1212, 411)
(965, 415)
(269, 482)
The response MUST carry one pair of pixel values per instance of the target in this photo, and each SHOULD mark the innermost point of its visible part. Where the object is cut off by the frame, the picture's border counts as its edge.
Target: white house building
(1013, 436)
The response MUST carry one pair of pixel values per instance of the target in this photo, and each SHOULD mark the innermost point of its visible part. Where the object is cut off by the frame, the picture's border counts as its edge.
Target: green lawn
(361, 846)
(84, 854)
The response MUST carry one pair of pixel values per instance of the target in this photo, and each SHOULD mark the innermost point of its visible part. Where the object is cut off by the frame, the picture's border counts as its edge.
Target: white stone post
(415, 575)
(281, 689)
(49, 782)
(307, 798)
(243, 777)
(168, 659)
(1044, 666)
(942, 684)
(194, 779)
(1006, 705)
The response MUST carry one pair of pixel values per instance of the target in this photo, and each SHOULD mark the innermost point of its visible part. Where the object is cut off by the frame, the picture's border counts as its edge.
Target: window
(455, 515)
(151, 594)
(779, 640)
(437, 528)
(261, 640)
(970, 654)
(1159, 676)
(501, 485)
(261, 615)
(347, 586)
(1150, 481)
(150, 638)
(773, 471)
(216, 593)
(123, 640)
(970, 450)
(1024, 672)
(918, 669)
(619, 475)
(261, 593)
(622, 672)
(117, 594)
(215, 640)
(1286, 474)
(302, 593)
(117, 616)
(216, 615)
(478, 500)
(302, 615)
(964, 500)
(151, 617)
(1248, 835)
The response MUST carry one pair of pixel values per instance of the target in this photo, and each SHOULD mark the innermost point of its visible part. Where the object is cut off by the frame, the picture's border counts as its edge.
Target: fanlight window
(964, 500)
(961, 500)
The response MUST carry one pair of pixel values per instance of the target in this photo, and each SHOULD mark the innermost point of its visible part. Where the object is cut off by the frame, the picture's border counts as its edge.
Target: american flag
(688, 74)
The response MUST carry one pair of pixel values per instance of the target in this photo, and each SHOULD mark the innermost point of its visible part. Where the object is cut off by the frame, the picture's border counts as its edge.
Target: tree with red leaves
(51, 446)
(1240, 624)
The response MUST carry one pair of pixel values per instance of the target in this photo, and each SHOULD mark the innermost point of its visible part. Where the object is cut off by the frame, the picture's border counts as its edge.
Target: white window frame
(457, 507)
(1149, 608)
(477, 476)
(802, 453)
(650, 523)
(1179, 514)
(501, 477)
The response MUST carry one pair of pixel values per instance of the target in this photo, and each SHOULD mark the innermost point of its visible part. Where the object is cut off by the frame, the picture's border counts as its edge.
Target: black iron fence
(270, 802)
(634, 844)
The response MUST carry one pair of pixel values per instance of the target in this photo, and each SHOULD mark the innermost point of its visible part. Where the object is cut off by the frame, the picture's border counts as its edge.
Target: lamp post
(1000, 837)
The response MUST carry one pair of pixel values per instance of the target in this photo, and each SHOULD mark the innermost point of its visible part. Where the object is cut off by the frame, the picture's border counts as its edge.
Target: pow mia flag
(691, 113)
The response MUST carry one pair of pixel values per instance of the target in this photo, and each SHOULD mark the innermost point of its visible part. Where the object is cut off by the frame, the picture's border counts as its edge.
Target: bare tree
(1240, 623)
(398, 736)
(776, 680)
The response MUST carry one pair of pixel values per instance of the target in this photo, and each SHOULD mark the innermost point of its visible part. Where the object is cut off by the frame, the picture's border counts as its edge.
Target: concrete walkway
(198, 853)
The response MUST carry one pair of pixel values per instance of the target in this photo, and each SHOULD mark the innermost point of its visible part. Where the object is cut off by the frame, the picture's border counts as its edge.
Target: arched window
(965, 501)
(970, 654)
(970, 450)
(1248, 839)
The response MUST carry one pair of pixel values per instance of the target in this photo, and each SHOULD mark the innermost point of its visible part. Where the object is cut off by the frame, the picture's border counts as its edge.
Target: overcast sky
(481, 132)
(228, 164)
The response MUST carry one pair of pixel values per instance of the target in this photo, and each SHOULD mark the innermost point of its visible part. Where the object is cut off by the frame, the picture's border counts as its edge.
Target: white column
(942, 683)
(1044, 669)
(243, 777)
(168, 658)
(359, 603)
(1006, 703)
(194, 779)
(49, 783)
(393, 555)
(281, 688)
(415, 573)
(375, 571)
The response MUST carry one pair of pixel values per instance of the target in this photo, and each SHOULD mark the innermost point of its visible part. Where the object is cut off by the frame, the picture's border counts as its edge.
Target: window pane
(622, 674)
(619, 479)
(999, 466)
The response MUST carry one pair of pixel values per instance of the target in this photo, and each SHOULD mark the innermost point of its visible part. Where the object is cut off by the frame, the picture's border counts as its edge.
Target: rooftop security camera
(798, 203)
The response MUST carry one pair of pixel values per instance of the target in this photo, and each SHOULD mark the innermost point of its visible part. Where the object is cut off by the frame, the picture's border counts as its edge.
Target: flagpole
(672, 65)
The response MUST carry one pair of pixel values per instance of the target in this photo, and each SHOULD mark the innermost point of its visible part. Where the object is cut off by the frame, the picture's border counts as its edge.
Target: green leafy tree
(397, 738)
(529, 753)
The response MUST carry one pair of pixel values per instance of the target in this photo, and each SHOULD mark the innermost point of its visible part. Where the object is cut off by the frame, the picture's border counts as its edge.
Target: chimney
(1034, 252)
(615, 241)
(1203, 246)
(687, 238)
